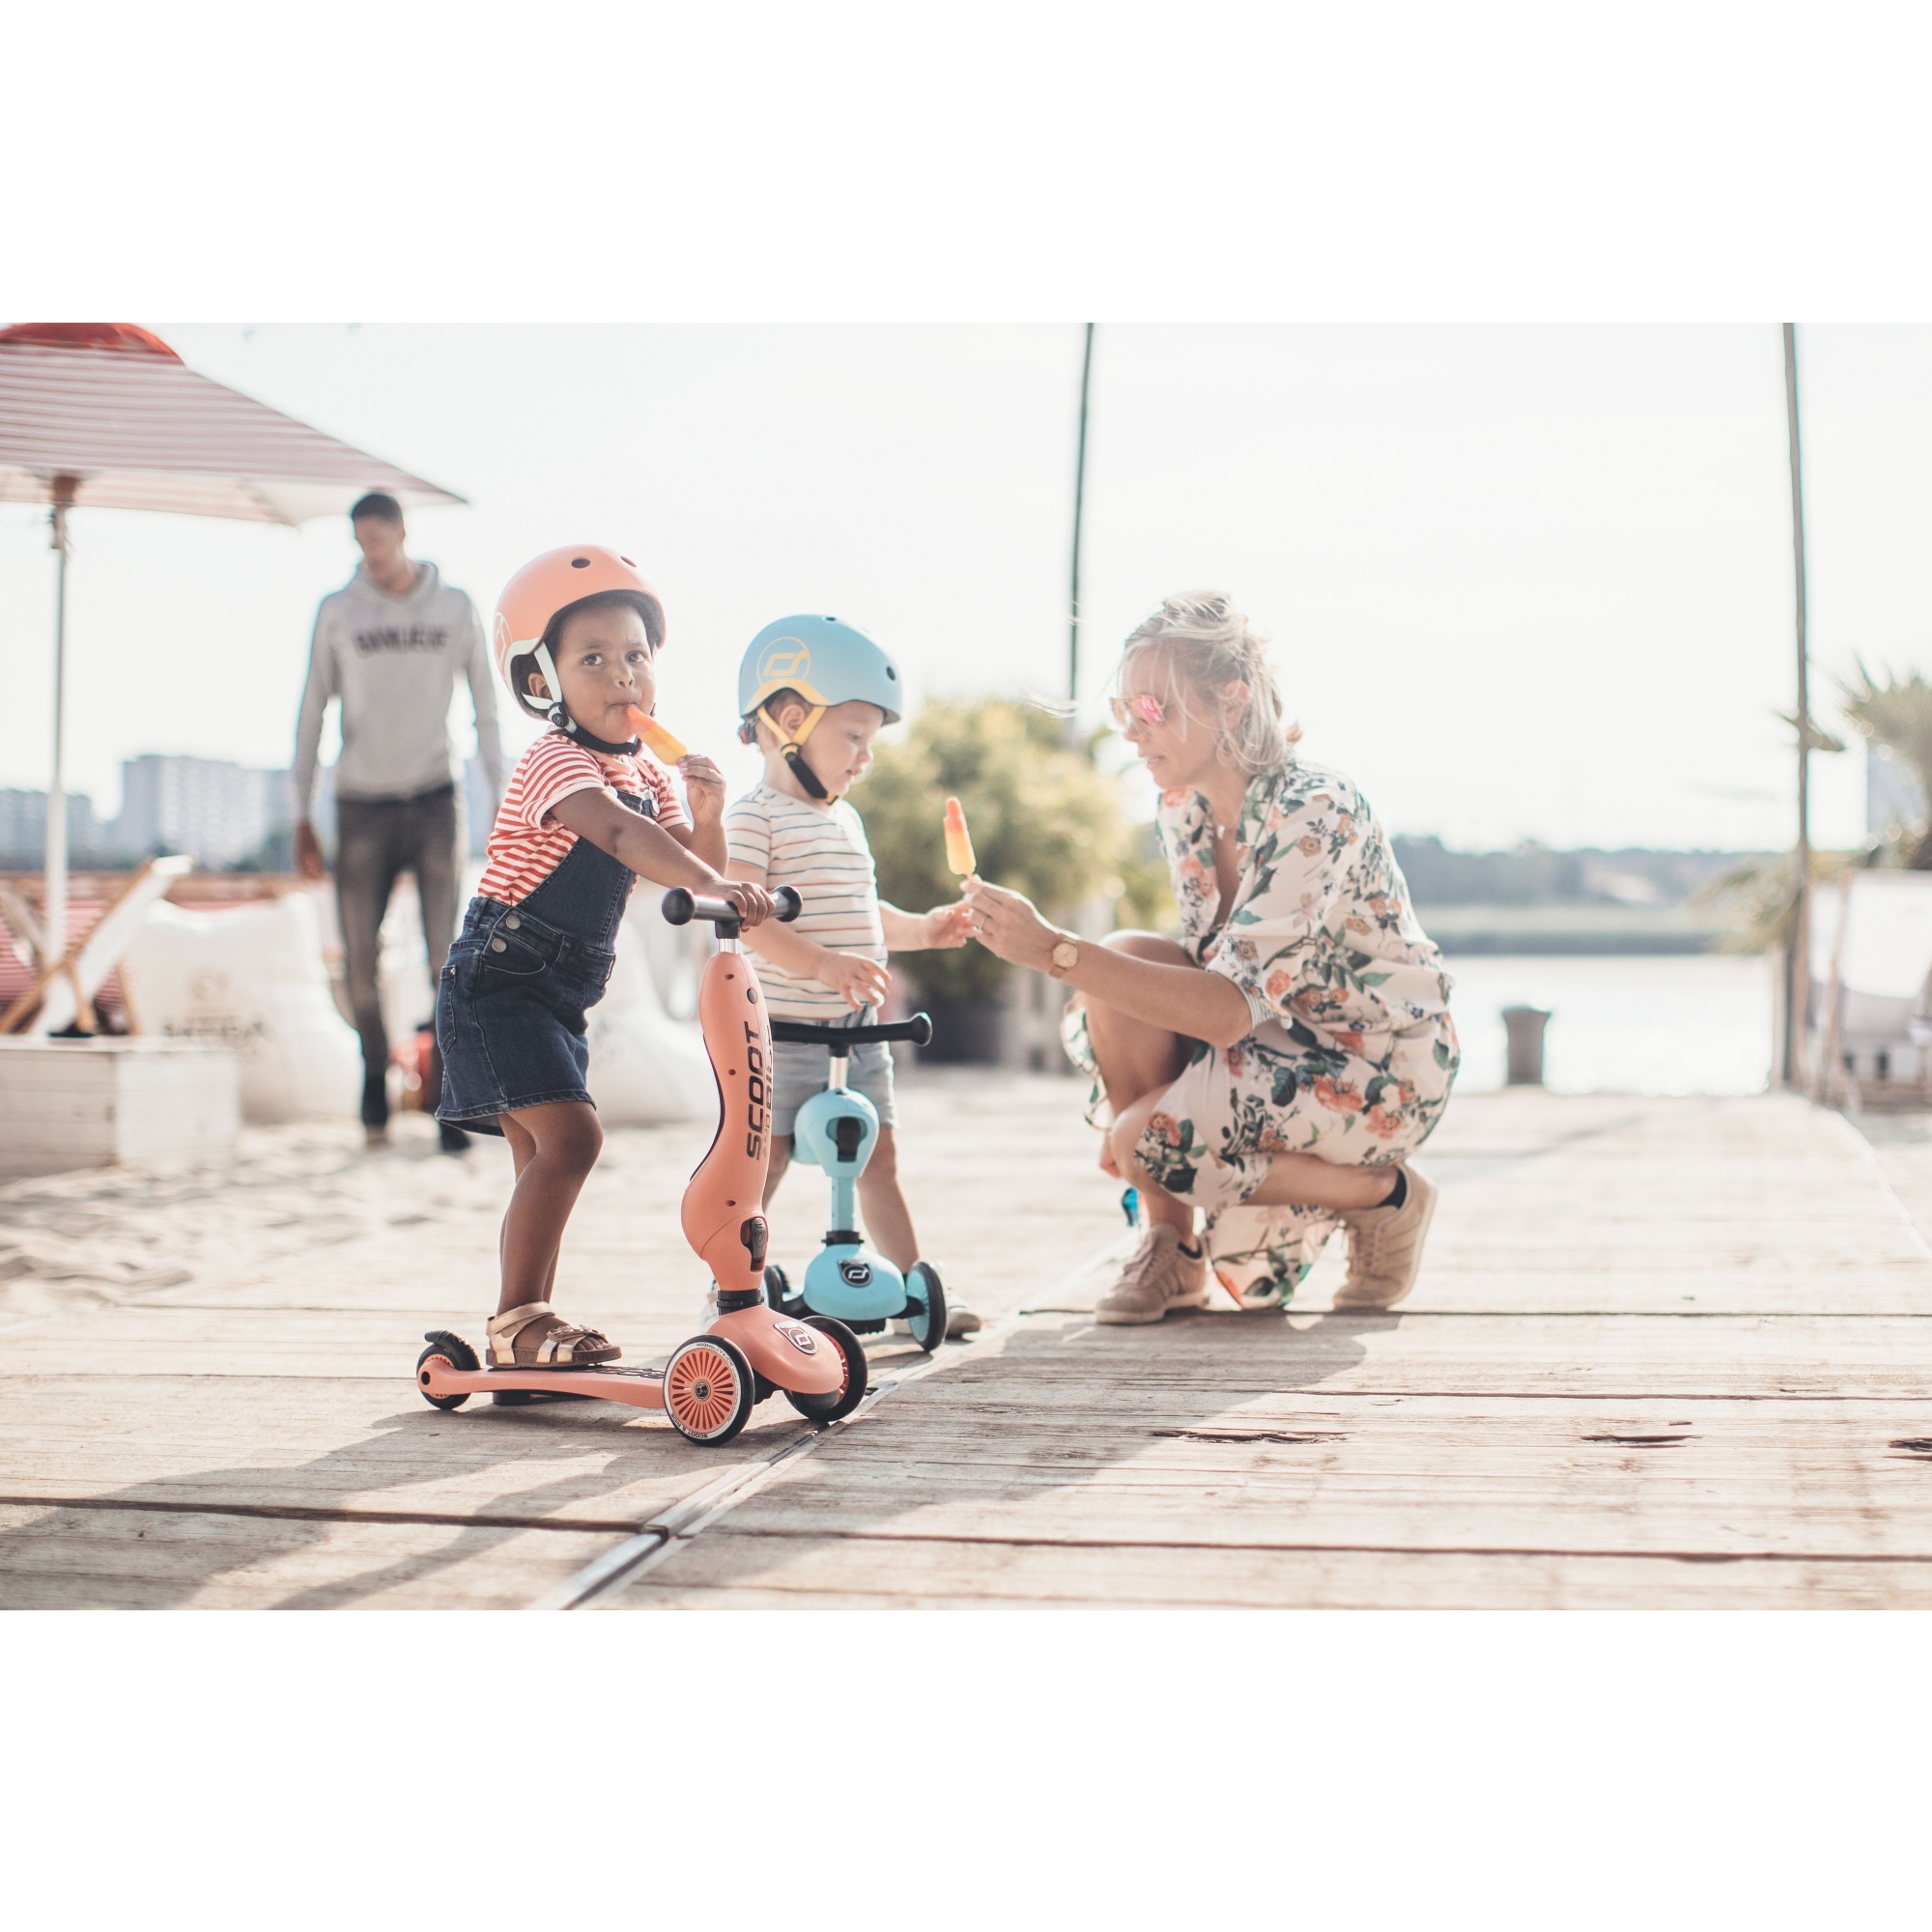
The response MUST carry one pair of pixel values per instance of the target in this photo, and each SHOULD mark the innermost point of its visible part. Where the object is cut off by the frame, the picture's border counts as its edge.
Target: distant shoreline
(1601, 930)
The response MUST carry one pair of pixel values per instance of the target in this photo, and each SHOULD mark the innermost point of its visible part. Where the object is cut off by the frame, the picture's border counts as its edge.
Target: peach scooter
(710, 1384)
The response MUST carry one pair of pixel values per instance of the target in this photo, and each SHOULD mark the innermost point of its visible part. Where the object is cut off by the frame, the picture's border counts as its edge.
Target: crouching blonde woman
(1278, 1065)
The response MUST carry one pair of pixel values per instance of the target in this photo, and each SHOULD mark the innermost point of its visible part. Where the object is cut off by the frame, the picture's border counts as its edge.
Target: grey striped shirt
(821, 851)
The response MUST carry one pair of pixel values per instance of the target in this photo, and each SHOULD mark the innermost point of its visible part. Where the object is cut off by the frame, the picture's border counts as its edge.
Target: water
(1696, 1024)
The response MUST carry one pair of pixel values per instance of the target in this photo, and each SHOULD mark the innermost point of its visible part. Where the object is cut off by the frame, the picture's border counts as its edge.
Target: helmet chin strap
(792, 752)
(563, 722)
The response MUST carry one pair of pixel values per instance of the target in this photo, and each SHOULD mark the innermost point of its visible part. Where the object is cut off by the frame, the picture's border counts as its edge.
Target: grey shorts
(798, 1072)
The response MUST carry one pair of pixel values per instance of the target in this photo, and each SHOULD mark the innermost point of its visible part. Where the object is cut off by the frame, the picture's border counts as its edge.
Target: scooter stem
(723, 1214)
(844, 1202)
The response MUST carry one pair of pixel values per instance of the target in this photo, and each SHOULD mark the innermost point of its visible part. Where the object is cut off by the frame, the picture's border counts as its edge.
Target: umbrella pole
(55, 912)
(1797, 1005)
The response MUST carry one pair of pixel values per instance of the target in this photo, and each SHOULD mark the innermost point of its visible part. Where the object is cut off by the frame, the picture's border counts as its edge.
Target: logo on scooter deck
(800, 1339)
(754, 1090)
(856, 1275)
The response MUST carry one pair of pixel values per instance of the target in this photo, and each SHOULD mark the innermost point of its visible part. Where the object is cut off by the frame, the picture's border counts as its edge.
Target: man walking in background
(390, 644)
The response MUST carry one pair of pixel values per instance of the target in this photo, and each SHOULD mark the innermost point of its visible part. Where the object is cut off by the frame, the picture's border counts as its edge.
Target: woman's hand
(1009, 927)
(704, 789)
(946, 925)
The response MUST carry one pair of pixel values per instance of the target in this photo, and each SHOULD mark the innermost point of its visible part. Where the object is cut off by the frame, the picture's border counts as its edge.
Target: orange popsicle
(662, 745)
(959, 841)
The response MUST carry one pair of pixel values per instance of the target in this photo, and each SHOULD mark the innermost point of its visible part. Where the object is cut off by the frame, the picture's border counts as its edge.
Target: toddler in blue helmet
(813, 694)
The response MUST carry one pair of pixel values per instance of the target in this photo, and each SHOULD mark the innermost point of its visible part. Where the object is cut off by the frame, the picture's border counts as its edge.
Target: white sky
(1522, 582)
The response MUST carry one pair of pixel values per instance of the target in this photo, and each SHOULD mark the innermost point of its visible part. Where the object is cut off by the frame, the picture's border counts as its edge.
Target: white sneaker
(959, 1320)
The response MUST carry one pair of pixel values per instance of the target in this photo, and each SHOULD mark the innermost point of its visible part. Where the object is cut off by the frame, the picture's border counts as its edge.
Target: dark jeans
(377, 841)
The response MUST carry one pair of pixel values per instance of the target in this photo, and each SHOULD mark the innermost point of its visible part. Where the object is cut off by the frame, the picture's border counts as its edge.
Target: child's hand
(703, 791)
(947, 925)
(753, 902)
(860, 982)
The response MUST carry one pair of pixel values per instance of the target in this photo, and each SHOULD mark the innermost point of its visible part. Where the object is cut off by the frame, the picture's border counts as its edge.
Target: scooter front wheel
(708, 1389)
(850, 1392)
(927, 1323)
(456, 1353)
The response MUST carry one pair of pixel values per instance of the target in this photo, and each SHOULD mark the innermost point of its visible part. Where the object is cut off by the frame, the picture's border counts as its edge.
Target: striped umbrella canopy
(112, 413)
(105, 415)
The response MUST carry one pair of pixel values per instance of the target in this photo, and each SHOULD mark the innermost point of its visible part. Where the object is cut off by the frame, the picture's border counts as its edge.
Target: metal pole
(1079, 505)
(53, 922)
(1798, 1003)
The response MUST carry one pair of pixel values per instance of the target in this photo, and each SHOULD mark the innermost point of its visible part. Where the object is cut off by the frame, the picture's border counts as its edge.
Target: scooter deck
(642, 1388)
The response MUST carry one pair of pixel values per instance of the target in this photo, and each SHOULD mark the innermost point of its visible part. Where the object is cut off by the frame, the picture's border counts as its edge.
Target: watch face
(1066, 953)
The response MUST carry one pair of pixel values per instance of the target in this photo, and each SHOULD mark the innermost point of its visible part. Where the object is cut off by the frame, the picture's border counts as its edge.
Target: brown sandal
(535, 1336)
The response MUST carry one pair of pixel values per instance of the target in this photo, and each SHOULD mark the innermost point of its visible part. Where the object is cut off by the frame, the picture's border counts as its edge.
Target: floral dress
(1352, 1050)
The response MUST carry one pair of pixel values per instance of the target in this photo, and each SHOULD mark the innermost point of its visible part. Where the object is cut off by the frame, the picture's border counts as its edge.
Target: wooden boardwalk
(1663, 1353)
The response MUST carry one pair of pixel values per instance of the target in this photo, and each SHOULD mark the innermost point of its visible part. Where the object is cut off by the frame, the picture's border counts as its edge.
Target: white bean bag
(251, 975)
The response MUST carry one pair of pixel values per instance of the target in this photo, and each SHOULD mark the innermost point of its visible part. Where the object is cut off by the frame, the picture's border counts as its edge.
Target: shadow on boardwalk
(160, 1544)
(1040, 1442)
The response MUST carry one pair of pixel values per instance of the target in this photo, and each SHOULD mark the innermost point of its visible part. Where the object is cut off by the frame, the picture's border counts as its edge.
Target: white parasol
(103, 415)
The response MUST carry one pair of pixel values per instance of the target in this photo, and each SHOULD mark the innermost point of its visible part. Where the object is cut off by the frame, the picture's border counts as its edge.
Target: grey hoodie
(394, 661)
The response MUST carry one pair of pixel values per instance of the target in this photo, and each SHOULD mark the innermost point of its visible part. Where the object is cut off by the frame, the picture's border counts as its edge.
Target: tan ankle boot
(1386, 1247)
(1157, 1277)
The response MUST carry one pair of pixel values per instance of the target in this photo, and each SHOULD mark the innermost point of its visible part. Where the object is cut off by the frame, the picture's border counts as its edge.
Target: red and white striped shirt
(526, 845)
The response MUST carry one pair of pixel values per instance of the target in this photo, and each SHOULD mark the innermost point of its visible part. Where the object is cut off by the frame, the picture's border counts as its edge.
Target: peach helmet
(544, 590)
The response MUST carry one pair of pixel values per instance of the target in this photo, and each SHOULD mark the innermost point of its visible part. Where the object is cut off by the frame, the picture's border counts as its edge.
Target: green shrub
(1044, 823)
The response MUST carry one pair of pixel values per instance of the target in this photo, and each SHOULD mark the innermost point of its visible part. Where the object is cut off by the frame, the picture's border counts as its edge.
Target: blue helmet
(827, 662)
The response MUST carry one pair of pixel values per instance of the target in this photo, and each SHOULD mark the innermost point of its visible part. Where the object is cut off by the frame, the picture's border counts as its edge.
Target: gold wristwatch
(1065, 956)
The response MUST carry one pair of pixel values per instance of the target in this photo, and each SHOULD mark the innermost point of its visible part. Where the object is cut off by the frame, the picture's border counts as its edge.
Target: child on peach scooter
(813, 694)
(576, 639)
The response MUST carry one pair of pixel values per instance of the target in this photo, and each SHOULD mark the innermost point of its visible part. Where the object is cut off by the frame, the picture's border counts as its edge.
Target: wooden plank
(103, 1559)
(742, 1572)
(1079, 1364)
(331, 1444)
(1784, 1479)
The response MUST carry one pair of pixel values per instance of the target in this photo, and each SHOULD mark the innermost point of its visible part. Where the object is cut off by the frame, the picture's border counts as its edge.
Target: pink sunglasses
(1147, 709)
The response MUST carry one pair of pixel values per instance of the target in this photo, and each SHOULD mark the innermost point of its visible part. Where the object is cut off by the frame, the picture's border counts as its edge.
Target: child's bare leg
(523, 1149)
(887, 1217)
(554, 1148)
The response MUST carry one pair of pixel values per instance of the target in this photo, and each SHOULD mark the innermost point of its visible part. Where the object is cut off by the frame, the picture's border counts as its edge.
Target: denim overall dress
(510, 1004)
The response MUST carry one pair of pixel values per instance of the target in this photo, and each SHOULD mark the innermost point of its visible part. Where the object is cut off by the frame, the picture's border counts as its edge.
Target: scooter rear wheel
(457, 1353)
(709, 1389)
(928, 1324)
(852, 1392)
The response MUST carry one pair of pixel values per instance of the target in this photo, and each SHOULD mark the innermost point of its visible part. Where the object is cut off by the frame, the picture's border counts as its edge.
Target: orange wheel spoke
(703, 1389)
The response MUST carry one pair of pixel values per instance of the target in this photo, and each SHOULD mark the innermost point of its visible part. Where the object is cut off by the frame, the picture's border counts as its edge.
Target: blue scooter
(837, 1129)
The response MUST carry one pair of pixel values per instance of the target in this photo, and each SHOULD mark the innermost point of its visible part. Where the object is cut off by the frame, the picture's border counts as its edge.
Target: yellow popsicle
(959, 841)
(662, 745)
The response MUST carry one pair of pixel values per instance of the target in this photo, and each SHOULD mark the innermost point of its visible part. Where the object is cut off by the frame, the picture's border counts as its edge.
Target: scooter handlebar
(680, 906)
(842, 1038)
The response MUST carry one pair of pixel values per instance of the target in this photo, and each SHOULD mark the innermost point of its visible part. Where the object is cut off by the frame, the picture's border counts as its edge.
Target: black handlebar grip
(680, 906)
(843, 1038)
